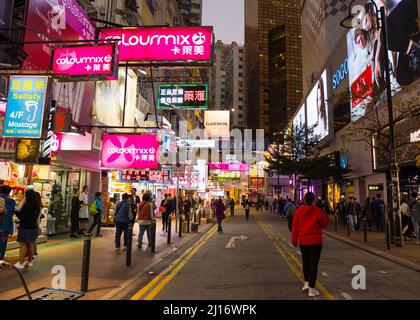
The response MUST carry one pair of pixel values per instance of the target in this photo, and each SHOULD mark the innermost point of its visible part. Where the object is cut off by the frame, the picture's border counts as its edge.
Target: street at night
(210, 159)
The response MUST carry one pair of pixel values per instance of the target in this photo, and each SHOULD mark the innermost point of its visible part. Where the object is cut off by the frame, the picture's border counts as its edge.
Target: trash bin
(194, 227)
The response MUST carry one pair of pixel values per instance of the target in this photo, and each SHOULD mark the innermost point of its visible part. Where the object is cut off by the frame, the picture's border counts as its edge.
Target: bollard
(195, 216)
(388, 234)
(188, 223)
(180, 226)
(169, 229)
(129, 245)
(348, 226)
(153, 247)
(335, 222)
(86, 263)
(364, 229)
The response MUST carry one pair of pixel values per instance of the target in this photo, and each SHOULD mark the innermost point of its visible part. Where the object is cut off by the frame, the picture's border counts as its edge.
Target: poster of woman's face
(317, 108)
(366, 56)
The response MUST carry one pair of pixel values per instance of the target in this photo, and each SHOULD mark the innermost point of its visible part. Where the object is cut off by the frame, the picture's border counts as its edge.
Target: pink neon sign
(229, 166)
(162, 44)
(125, 151)
(84, 61)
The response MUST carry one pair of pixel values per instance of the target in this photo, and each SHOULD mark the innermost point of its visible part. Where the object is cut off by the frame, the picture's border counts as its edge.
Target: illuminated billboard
(183, 96)
(317, 108)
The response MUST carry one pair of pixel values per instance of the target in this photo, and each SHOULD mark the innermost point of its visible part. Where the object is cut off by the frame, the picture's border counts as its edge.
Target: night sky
(227, 17)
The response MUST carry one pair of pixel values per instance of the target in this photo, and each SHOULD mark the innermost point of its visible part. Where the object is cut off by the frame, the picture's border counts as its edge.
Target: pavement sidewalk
(108, 270)
(408, 256)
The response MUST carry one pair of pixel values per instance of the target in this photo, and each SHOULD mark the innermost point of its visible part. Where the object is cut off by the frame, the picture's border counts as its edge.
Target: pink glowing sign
(84, 61)
(142, 45)
(229, 166)
(125, 151)
(69, 142)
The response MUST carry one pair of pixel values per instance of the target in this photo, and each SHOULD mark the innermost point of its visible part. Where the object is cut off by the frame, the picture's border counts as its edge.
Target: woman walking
(308, 222)
(123, 217)
(220, 209)
(75, 208)
(145, 216)
(28, 214)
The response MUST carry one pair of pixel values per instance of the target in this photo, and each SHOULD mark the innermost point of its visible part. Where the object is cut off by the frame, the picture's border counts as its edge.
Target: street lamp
(355, 19)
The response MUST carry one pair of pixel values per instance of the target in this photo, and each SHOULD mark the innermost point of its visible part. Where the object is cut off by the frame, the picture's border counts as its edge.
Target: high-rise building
(191, 11)
(235, 85)
(218, 77)
(280, 22)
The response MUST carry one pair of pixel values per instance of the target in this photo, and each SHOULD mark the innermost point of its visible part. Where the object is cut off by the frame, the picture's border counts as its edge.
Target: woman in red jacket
(308, 223)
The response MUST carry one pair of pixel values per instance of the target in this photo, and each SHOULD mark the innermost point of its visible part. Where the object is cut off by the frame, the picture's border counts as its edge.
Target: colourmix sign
(162, 44)
(25, 107)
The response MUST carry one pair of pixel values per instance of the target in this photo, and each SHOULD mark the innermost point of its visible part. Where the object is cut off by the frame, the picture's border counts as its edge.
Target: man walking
(378, 207)
(414, 206)
(7, 208)
(353, 211)
(290, 209)
(232, 207)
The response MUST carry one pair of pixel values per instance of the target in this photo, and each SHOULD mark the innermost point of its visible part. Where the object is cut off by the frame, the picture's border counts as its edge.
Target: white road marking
(347, 296)
(231, 243)
(383, 272)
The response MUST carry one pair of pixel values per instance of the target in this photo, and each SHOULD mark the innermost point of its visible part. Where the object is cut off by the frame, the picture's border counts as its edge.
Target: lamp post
(354, 20)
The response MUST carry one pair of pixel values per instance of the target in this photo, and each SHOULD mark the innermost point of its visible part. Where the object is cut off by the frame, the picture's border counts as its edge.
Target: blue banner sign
(25, 107)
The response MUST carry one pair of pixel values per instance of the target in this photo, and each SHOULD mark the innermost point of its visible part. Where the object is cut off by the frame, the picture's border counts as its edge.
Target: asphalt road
(262, 265)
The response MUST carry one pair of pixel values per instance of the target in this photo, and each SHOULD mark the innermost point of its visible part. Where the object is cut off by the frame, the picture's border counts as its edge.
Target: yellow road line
(145, 289)
(298, 274)
(165, 281)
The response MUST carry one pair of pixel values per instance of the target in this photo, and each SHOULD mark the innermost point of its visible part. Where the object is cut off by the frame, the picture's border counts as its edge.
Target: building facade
(261, 18)
(191, 11)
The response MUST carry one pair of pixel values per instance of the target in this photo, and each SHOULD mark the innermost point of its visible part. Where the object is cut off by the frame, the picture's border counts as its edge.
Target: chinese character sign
(125, 151)
(183, 96)
(84, 61)
(25, 107)
(184, 44)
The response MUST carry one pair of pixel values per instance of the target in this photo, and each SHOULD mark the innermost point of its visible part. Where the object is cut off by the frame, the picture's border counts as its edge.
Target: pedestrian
(232, 207)
(290, 209)
(96, 211)
(367, 213)
(220, 209)
(353, 211)
(308, 223)
(414, 206)
(74, 213)
(28, 214)
(275, 205)
(123, 217)
(342, 211)
(405, 221)
(181, 204)
(84, 210)
(167, 204)
(188, 206)
(378, 208)
(247, 208)
(135, 199)
(145, 216)
(7, 210)
(281, 206)
(40, 217)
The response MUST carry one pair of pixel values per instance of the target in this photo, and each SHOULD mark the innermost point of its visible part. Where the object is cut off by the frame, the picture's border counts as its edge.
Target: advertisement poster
(25, 107)
(163, 175)
(27, 151)
(125, 151)
(317, 108)
(83, 61)
(365, 54)
(217, 124)
(53, 20)
(142, 45)
(183, 96)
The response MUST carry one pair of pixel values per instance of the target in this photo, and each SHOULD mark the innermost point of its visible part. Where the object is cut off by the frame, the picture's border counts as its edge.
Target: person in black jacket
(28, 214)
(74, 215)
(167, 203)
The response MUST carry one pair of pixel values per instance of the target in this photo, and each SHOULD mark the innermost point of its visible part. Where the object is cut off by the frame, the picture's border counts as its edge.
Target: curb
(379, 253)
(110, 295)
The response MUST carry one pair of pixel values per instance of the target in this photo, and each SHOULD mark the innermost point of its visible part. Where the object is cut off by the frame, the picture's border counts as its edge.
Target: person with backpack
(145, 216)
(123, 217)
(247, 208)
(96, 211)
(308, 223)
(7, 209)
(290, 209)
(414, 206)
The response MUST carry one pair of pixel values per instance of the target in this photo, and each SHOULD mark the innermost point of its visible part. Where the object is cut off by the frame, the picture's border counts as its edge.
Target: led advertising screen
(84, 61)
(317, 108)
(125, 151)
(183, 96)
(365, 54)
(162, 44)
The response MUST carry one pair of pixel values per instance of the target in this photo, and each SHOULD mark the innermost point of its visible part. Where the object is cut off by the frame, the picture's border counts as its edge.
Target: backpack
(3, 213)
(93, 209)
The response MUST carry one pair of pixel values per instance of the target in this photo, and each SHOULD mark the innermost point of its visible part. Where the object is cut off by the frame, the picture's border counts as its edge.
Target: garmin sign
(340, 74)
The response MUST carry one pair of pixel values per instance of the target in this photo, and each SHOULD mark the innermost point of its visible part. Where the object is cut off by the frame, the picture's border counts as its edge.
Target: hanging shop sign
(25, 107)
(162, 44)
(125, 151)
(241, 167)
(51, 20)
(183, 96)
(27, 151)
(98, 61)
(255, 182)
(159, 176)
(340, 74)
(70, 142)
(217, 124)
